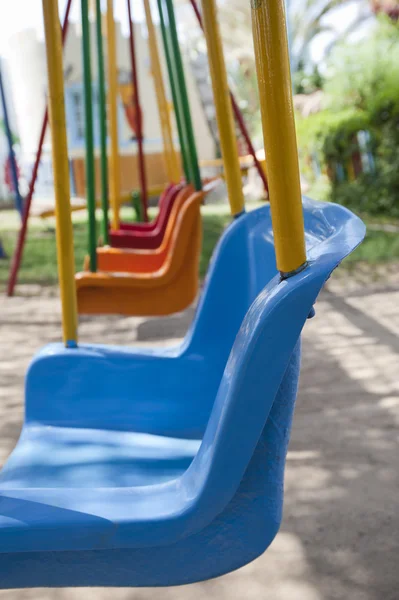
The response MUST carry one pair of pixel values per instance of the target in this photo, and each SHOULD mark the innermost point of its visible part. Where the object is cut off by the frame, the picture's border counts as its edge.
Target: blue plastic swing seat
(166, 467)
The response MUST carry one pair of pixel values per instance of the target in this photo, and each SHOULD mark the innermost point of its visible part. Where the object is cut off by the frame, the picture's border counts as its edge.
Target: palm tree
(306, 20)
(309, 18)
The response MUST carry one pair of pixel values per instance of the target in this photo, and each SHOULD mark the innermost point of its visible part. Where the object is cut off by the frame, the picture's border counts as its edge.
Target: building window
(75, 109)
(78, 114)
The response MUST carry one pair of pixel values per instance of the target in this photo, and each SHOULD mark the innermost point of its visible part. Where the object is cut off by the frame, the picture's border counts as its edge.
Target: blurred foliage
(307, 81)
(244, 84)
(366, 75)
(331, 133)
(309, 19)
(306, 20)
(362, 94)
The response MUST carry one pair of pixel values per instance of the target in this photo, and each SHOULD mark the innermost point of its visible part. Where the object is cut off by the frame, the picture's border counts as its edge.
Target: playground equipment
(102, 122)
(89, 133)
(12, 161)
(175, 247)
(155, 284)
(170, 155)
(121, 199)
(17, 257)
(138, 115)
(114, 166)
(180, 477)
(128, 237)
(178, 88)
(171, 284)
(152, 236)
(133, 237)
(241, 124)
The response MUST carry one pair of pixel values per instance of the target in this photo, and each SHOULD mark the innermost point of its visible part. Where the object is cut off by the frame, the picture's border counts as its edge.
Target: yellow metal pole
(274, 79)
(224, 111)
(65, 252)
(170, 156)
(114, 162)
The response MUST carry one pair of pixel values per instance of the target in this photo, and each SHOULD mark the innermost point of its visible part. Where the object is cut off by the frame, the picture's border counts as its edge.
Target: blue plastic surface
(166, 467)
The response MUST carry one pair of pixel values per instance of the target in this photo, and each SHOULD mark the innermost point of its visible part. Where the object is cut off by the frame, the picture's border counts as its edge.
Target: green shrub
(329, 136)
(376, 193)
(365, 76)
(362, 93)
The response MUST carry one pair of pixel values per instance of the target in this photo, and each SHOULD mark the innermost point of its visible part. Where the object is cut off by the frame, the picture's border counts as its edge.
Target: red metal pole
(238, 115)
(17, 257)
(248, 141)
(139, 133)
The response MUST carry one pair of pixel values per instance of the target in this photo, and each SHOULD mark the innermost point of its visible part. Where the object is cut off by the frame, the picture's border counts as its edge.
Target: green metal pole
(90, 180)
(175, 95)
(188, 125)
(103, 123)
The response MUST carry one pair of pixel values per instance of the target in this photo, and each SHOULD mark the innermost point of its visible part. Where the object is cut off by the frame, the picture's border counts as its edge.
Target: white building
(26, 64)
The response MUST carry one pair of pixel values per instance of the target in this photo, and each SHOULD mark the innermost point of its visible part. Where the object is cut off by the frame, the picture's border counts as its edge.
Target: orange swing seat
(127, 260)
(168, 289)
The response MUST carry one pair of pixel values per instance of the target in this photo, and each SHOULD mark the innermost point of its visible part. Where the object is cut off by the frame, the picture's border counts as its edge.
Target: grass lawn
(378, 247)
(39, 263)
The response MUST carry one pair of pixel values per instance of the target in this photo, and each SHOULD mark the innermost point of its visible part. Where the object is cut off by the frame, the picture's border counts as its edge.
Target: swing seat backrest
(127, 260)
(148, 239)
(163, 205)
(242, 264)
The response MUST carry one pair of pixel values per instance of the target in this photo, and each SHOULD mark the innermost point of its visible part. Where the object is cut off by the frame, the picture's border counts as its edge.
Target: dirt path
(339, 539)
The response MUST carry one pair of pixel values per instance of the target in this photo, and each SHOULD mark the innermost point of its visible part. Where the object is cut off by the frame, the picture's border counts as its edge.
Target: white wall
(27, 68)
(26, 64)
